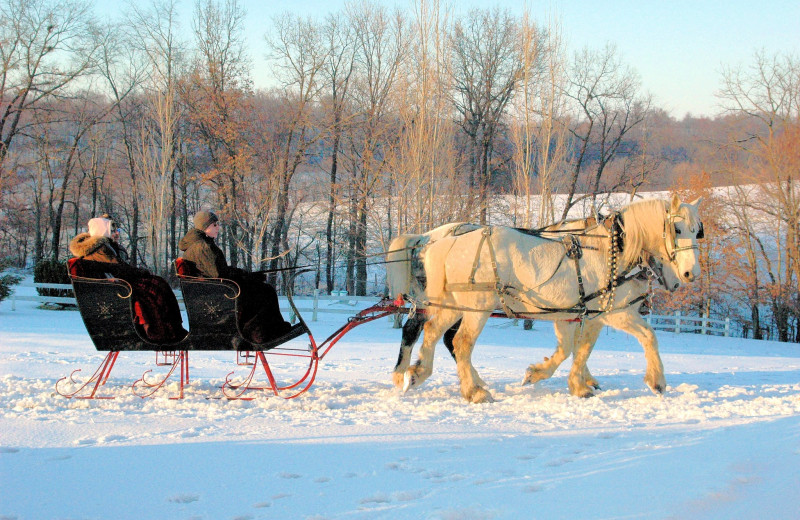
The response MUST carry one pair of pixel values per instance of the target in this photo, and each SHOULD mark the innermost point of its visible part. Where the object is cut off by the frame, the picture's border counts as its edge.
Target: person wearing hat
(101, 244)
(155, 306)
(260, 319)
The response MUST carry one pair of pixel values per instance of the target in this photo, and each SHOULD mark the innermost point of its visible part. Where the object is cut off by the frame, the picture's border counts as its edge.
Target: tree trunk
(361, 251)
(756, 319)
(329, 278)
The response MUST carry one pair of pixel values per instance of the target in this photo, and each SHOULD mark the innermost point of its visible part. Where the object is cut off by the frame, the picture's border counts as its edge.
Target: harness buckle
(573, 247)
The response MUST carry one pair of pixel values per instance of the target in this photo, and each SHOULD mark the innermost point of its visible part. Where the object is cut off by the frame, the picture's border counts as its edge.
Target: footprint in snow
(262, 505)
(558, 462)
(409, 496)
(59, 458)
(289, 475)
(184, 498)
(322, 480)
(111, 438)
(379, 498)
(5, 449)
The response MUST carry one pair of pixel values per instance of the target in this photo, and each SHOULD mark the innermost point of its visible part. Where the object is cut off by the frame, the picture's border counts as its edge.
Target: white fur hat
(100, 227)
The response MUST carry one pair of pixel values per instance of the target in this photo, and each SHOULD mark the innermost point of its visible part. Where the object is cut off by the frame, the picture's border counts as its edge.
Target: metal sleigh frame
(106, 306)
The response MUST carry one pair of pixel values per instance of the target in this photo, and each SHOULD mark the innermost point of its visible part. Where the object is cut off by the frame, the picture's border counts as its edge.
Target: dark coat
(155, 306)
(207, 257)
(260, 318)
(107, 253)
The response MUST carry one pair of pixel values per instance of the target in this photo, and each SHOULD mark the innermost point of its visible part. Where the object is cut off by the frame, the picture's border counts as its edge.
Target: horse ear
(696, 202)
(675, 203)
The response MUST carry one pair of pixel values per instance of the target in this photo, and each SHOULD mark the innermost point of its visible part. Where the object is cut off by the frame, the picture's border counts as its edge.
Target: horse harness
(573, 251)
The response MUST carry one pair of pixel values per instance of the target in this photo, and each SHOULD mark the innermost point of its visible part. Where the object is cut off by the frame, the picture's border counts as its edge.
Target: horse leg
(588, 340)
(565, 334)
(449, 334)
(448, 342)
(584, 343)
(411, 331)
(433, 330)
(463, 344)
(633, 323)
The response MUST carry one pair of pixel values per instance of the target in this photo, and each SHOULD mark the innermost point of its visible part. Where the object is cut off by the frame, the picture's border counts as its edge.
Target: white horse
(405, 248)
(533, 278)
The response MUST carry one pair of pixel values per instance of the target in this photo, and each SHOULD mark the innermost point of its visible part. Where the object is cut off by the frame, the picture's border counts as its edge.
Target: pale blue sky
(678, 47)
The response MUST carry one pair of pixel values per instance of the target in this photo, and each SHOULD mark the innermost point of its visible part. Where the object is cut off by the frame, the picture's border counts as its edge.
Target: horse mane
(643, 222)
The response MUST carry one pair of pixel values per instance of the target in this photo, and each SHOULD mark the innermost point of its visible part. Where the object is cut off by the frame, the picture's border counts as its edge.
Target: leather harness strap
(573, 250)
(497, 286)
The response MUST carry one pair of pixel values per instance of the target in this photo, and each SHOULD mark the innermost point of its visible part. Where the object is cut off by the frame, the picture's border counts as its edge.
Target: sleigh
(107, 307)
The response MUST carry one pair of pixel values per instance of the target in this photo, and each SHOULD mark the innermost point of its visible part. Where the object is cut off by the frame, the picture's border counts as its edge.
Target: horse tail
(398, 264)
(405, 272)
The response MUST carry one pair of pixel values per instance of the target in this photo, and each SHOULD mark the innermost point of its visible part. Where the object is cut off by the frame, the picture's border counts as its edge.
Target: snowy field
(723, 442)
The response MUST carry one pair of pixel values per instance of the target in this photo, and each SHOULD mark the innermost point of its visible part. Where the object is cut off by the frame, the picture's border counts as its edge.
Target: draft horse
(581, 281)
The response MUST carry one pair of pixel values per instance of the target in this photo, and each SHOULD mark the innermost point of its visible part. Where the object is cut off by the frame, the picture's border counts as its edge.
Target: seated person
(260, 317)
(155, 306)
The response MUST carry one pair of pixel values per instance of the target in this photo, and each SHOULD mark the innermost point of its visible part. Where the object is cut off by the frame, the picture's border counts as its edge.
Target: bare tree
(299, 52)
(216, 100)
(60, 141)
(380, 48)
(486, 71)
(337, 34)
(123, 71)
(45, 45)
(607, 107)
(424, 159)
(539, 121)
(768, 92)
(153, 149)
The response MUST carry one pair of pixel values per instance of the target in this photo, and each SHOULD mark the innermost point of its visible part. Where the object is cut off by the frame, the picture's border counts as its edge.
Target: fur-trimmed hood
(93, 248)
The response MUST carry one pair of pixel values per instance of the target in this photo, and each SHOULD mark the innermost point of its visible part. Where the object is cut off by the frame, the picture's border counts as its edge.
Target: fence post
(727, 327)
(677, 322)
(13, 300)
(315, 305)
(704, 327)
(649, 319)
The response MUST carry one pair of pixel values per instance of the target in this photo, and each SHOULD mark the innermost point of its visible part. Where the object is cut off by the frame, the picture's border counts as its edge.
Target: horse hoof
(408, 381)
(398, 378)
(532, 376)
(658, 387)
(584, 393)
(481, 396)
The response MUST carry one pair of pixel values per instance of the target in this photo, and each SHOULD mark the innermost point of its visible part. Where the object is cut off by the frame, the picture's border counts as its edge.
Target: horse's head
(682, 229)
(668, 233)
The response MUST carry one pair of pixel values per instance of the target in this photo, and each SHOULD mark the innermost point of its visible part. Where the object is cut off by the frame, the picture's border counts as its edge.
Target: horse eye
(677, 230)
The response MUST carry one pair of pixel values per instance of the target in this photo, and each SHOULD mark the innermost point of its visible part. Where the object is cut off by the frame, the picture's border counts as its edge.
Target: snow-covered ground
(723, 442)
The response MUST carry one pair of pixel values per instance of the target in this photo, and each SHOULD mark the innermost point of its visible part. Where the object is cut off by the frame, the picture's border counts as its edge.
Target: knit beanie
(203, 219)
(100, 227)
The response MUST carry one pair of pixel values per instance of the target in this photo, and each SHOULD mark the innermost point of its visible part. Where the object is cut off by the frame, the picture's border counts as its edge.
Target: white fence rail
(343, 304)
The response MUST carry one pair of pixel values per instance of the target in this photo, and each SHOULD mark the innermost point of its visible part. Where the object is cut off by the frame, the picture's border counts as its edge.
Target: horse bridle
(671, 238)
